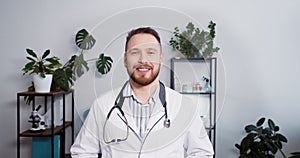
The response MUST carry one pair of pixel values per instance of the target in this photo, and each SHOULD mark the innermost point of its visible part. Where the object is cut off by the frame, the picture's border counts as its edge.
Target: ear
(162, 57)
(125, 60)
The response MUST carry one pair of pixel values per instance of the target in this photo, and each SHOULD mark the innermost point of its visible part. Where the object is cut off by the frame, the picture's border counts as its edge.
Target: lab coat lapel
(156, 118)
(129, 117)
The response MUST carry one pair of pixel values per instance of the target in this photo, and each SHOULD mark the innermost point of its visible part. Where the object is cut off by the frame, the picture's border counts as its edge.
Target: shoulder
(173, 95)
(106, 100)
(178, 102)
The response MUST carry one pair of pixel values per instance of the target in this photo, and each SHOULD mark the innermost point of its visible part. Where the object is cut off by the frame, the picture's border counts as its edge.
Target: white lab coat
(186, 137)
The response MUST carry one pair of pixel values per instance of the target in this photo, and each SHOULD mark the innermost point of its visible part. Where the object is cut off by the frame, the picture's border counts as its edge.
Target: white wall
(258, 41)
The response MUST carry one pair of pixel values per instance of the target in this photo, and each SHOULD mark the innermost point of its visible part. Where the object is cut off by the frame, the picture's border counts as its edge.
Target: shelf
(210, 128)
(202, 93)
(53, 93)
(192, 59)
(180, 73)
(47, 132)
(52, 130)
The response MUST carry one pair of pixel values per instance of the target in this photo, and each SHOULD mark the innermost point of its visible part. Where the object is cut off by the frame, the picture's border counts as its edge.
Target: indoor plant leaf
(84, 40)
(79, 65)
(295, 155)
(31, 52)
(28, 67)
(193, 42)
(46, 53)
(271, 124)
(260, 121)
(281, 137)
(250, 128)
(104, 64)
(262, 141)
(276, 128)
(60, 79)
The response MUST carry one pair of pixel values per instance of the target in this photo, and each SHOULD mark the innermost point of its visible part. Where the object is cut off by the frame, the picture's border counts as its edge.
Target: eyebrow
(131, 49)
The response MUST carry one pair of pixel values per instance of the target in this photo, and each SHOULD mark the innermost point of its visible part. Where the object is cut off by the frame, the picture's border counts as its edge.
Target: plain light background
(259, 64)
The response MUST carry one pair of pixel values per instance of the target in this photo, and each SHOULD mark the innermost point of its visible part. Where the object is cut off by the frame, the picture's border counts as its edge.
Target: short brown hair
(147, 30)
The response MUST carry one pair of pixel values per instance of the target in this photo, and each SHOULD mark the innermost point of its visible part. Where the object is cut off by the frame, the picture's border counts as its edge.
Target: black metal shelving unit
(52, 131)
(211, 64)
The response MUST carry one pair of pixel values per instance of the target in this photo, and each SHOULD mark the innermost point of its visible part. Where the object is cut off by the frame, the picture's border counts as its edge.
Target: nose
(143, 58)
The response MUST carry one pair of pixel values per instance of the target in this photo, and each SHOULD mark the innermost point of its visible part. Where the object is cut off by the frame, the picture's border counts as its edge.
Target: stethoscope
(118, 106)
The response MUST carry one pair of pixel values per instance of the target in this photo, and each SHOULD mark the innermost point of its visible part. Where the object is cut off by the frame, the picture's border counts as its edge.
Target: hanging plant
(104, 64)
(77, 65)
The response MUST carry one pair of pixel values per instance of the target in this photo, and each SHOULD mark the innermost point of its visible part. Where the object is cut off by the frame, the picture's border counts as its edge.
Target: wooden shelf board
(47, 132)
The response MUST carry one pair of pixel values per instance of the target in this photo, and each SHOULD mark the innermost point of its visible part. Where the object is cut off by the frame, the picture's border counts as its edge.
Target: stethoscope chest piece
(167, 123)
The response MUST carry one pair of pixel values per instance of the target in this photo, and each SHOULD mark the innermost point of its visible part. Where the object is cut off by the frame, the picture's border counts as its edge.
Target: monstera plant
(64, 77)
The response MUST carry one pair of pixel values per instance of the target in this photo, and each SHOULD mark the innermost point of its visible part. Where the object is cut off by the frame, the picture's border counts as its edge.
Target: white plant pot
(42, 84)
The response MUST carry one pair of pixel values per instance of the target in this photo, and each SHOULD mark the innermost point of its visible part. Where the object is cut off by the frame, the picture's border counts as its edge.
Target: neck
(143, 93)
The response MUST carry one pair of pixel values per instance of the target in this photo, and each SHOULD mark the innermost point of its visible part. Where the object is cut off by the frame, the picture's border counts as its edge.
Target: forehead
(141, 39)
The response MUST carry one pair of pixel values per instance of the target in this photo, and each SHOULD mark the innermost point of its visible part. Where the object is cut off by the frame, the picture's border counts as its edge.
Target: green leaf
(260, 121)
(104, 64)
(271, 124)
(28, 67)
(279, 144)
(276, 128)
(281, 137)
(54, 62)
(79, 65)
(246, 143)
(295, 155)
(60, 79)
(250, 128)
(29, 58)
(212, 31)
(237, 146)
(31, 52)
(271, 147)
(84, 40)
(46, 53)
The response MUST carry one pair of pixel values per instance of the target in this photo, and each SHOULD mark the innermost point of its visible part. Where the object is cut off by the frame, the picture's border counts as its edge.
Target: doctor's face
(143, 58)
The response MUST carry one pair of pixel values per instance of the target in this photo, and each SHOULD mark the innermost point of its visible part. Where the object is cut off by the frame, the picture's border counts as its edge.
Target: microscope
(37, 120)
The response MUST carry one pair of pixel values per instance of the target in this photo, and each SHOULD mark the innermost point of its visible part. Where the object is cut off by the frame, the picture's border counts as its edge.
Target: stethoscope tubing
(117, 105)
(144, 140)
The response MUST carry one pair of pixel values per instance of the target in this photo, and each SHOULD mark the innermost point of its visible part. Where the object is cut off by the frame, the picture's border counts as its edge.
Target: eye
(133, 52)
(152, 52)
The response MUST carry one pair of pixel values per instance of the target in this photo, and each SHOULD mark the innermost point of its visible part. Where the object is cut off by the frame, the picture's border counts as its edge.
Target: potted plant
(42, 67)
(261, 141)
(65, 75)
(194, 42)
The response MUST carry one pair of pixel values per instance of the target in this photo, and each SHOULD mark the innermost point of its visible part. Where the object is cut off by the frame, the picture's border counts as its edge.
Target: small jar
(197, 87)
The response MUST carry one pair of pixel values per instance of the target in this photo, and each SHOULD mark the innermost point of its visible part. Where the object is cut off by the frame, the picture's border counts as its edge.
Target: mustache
(147, 66)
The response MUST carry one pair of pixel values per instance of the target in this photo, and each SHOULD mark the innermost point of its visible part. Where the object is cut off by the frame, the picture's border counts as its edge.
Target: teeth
(143, 69)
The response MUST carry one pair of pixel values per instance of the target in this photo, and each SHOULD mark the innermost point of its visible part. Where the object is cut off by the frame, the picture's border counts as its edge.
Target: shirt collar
(128, 92)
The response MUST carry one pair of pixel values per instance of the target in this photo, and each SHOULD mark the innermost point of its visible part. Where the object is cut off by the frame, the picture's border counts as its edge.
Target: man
(145, 119)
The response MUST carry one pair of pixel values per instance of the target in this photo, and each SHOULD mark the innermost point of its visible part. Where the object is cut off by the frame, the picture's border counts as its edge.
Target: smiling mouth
(143, 68)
